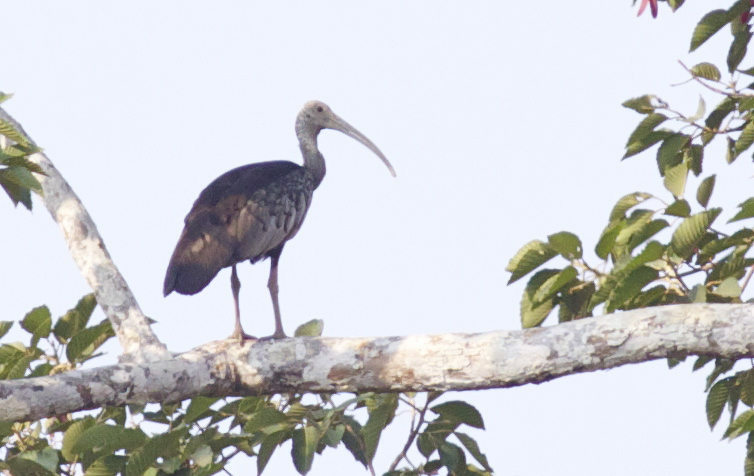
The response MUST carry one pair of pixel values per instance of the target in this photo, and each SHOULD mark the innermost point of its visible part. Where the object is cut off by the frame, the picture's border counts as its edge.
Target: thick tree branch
(88, 250)
(395, 364)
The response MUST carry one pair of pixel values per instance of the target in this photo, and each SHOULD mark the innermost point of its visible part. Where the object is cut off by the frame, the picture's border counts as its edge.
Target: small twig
(411, 437)
(689, 273)
(747, 278)
(224, 459)
(711, 88)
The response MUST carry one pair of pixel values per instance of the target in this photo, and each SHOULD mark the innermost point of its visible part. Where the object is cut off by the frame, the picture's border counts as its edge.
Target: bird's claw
(241, 337)
(275, 336)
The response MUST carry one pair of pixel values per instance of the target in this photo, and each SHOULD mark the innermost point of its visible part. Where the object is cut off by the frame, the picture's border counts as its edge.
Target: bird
(250, 213)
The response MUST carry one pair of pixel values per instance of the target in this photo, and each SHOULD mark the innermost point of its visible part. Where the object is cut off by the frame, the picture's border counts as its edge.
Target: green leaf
(745, 383)
(717, 397)
(38, 322)
(640, 145)
(531, 256)
(19, 367)
(553, 284)
(710, 24)
(75, 319)
(11, 352)
(729, 288)
(5, 327)
(21, 466)
(18, 194)
(706, 71)
(675, 179)
(746, 138)
(8, 130)
(532, 314)
(311, 328)
(378, 419)
(304, 443)
(84, 343)
(19, 161)
(704, 192)
(746, 104)
(452, 457)
(47, 458)
(334, 435)
(268, 446)
(668, 153)
(653, 251)
(691, 230)
(606, 242)
(353, 441)
(457, 411)
(679, 208)
(20, 176)
(641, 104)
(473, 448)
(698, 293)
(198, 407)
(630, 286)
(744, 423)
(268, 420)
(203, 456)
(646, 232)
(701, 361)
(165, 445)
(716, 117)
(737, 49)
(693, 156)
(746, 211)
(72, 435)
(566, 243)
(108, 438)
(636, 222)
(108, 465)
(647, 125)
(574, 301)
(625, 203)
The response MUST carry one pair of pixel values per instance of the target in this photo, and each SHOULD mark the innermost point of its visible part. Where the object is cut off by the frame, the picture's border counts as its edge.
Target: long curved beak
(338, 124)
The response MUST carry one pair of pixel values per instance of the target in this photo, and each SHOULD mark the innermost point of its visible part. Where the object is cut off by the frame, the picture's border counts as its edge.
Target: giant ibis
(250, 212)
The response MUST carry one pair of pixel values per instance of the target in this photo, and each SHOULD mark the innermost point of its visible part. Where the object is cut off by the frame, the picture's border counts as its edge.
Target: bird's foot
(275, 336)
(241, 336)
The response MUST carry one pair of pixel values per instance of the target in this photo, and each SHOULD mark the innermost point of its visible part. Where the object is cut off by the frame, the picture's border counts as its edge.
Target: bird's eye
(319, 109)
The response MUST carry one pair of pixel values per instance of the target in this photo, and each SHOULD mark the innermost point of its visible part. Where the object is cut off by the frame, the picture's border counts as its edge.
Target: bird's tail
(200, 254)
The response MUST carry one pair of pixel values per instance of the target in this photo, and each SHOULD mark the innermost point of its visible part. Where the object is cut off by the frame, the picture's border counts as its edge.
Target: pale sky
(503, 122)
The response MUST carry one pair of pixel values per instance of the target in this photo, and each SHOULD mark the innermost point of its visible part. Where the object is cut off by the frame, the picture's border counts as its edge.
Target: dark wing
(210, 238)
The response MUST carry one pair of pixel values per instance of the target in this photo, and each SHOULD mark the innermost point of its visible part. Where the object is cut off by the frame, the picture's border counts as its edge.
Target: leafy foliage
(202, 435)
(661, 249)
(16, 170)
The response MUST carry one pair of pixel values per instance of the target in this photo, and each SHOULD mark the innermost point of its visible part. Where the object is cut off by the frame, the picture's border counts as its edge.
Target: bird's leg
(272, 284)
(235, 286)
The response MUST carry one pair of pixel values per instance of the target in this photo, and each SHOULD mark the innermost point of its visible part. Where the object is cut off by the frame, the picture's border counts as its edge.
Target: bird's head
(316, 115)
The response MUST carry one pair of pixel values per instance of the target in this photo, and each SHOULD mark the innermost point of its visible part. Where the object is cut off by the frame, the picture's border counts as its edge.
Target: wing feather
(243, 214)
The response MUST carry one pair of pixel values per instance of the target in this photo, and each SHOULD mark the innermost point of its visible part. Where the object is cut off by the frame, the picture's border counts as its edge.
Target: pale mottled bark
(392, 364)
(88, 251)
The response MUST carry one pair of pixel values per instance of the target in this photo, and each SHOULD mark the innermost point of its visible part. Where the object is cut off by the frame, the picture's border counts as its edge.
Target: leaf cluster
(202, 435)
(659, 249)
(16, 170)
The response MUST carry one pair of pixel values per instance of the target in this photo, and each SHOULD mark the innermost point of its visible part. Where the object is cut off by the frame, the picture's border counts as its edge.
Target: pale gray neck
(314, 162)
